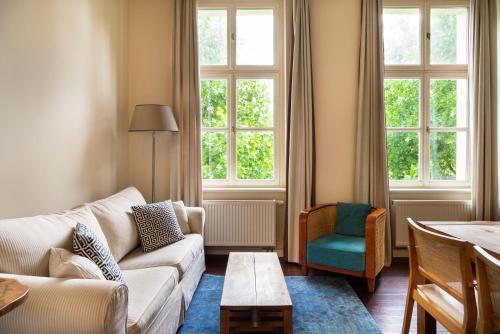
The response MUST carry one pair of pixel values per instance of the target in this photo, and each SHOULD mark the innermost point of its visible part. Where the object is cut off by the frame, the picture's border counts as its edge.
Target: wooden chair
(440, 280)
(366, 253)
(488, 283)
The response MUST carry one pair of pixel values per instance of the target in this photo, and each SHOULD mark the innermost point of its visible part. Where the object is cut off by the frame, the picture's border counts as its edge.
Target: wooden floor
(386, 305)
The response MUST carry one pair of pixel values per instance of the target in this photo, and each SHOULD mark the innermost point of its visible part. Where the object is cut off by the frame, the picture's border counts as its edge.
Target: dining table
(485, 234)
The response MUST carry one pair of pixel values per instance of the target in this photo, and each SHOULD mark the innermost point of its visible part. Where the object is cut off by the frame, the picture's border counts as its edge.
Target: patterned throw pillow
(157, 225)
(87, 244)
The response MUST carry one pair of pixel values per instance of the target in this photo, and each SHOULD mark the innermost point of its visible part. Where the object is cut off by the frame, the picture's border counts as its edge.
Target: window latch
(233, 129)
(233, 36)
(428, 35)
(427, 129)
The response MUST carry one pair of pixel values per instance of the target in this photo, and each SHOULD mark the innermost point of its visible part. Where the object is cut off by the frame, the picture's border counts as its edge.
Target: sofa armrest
(375, 241)
(314, 223)
(56, 305)
(196, 219)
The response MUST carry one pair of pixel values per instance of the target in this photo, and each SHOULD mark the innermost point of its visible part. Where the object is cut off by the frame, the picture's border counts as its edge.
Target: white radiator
(240, 223)
(426, 210)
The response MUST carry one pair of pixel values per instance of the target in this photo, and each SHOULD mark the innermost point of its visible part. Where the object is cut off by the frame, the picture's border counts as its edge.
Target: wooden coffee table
(255, 296)
(12, 294)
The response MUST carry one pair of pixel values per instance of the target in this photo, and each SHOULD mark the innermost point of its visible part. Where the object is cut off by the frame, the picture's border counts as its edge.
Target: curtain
(300, 130)
(483, 97)
(371, 184)
(186, 183)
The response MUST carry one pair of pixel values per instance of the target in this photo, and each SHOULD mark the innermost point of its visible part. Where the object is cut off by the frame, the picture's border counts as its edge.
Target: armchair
(321, 248)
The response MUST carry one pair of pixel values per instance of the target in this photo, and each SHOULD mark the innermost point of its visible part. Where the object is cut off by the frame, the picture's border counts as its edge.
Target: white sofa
(159, 285)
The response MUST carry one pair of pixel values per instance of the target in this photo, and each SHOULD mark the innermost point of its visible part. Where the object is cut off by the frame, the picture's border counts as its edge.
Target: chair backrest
(443, 260)
(488, 281)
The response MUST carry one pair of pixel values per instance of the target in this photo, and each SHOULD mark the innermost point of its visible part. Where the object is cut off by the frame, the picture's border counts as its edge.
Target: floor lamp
(153, 118)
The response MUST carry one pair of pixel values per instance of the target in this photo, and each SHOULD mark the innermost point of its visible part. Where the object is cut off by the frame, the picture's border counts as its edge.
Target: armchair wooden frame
(319, 221)
(422, 275)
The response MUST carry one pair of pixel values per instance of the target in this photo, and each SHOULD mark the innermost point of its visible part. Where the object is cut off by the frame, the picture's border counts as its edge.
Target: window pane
(448, 103)
(449, 35)
(214, 103)
(254, 103)
(448, 155)
(402, 155)
(402, 36)
(254, 37)
(254, 155)
(402, 102)
(214, 155)
(212, 36)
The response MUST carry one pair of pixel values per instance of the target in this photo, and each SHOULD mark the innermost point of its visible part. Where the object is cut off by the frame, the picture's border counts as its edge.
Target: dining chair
(488, 283)
(440, 280)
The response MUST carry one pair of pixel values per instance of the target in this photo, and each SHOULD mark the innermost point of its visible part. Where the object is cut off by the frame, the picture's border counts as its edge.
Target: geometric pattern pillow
(157, 225)
(87, 244)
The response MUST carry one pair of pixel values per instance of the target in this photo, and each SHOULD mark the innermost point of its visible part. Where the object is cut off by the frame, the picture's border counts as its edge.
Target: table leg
(287, 321)
(224, 321)
(426, 324)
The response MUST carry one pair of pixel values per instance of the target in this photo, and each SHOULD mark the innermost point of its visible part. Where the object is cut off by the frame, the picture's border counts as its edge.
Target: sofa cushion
(182, 216)
(25, 243)
(179, 255)
(157, 225)
(338, 251)
(149, 289)
(351, 219)
(64, 264)
(87, 244)
(117, 222)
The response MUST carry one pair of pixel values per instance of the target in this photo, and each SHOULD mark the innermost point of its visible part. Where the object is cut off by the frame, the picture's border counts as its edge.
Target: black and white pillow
(157, 225)
(87, 244)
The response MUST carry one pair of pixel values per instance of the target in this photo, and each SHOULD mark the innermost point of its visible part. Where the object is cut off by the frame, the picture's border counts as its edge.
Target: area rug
(321, 305)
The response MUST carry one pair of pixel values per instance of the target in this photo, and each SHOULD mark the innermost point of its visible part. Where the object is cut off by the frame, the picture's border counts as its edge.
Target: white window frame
(425, 72)
(232, 72)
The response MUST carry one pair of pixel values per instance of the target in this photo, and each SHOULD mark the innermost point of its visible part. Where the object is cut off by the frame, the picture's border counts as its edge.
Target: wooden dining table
(485, 234)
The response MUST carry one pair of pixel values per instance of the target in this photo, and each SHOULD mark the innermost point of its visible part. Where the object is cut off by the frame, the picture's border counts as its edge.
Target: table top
(254, 279)
(12, 294)
(482, 233)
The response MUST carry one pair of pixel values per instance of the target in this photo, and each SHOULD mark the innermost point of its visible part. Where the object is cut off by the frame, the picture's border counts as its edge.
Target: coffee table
(255, 296)
(12, 294)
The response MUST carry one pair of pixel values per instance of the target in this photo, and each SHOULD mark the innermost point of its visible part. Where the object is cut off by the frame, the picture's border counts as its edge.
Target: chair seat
(338, 251)
(442, 301)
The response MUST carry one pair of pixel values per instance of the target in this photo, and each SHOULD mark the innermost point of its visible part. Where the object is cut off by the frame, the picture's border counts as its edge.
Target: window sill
(430, 193)
(244, 190)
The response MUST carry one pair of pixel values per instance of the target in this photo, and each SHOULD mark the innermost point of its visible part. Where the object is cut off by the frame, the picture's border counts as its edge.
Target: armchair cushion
(338, 251)
(351, 218)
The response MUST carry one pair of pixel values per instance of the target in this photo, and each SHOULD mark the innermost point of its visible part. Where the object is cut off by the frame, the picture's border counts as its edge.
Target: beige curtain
(187, 176)
(371, 184)
(483, 89)
(300, 163)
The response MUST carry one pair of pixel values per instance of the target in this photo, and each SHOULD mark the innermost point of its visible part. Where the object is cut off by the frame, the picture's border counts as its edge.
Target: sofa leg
(304, 270)
(371, 284)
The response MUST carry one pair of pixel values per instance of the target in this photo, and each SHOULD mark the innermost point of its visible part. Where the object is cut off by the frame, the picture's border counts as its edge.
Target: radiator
(240, 223)
(426, 210)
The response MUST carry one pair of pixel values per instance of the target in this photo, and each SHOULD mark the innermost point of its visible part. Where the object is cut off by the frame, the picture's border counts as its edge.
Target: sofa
(159, 284)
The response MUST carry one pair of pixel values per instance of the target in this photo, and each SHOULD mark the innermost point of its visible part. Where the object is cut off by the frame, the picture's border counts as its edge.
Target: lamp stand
(153, 165)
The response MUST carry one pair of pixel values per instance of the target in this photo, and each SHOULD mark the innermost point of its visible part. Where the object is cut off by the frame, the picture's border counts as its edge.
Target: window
(426, 93)
(241, 74)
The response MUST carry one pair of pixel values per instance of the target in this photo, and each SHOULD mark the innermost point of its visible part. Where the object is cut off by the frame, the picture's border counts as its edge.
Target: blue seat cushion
(338, 251)
(351, 218)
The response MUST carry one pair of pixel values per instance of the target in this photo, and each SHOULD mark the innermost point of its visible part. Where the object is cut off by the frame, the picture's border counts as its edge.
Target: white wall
(63, 136)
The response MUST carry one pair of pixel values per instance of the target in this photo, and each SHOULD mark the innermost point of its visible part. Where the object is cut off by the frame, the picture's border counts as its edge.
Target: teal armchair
(351, 250)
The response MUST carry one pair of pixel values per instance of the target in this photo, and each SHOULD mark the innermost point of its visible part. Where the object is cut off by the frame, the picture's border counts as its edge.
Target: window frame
(424, 72)
(232, 72)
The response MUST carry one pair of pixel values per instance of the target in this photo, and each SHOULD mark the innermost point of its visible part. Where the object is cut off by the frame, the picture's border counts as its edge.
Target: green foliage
(401, 104)
(212, 37)
(443, 37)
(254, 149)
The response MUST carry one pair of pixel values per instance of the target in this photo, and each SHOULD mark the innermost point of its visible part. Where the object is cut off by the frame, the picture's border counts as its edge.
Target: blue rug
(321, 305)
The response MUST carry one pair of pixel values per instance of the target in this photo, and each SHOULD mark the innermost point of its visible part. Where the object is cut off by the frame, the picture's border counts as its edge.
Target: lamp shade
(153, 117)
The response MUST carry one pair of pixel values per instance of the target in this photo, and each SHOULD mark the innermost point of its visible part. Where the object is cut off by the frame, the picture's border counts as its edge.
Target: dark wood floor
(386, 305)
